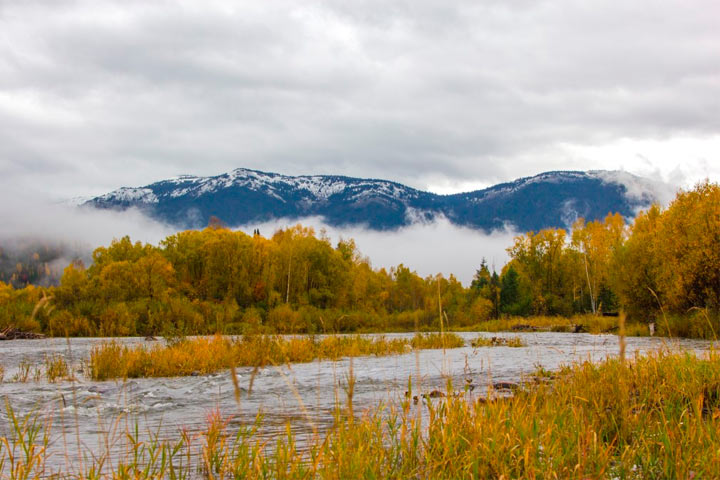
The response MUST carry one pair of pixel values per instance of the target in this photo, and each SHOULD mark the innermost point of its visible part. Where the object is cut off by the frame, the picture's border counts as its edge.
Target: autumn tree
(689, 249)
(543, 265)
(597, 244)
(637, 265)
(484, 294)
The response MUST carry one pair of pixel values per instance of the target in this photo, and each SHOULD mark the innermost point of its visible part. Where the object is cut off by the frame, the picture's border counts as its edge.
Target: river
(90, 416)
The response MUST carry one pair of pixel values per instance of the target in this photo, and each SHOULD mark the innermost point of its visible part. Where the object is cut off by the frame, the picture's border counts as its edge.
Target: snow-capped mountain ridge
(321, 187)
(244, 196)
(130, 195)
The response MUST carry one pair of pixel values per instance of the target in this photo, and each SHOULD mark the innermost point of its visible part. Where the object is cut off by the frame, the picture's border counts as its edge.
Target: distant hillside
(245, 197)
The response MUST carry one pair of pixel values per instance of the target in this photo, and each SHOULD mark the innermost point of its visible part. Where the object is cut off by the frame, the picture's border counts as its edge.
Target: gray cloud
(99, 94)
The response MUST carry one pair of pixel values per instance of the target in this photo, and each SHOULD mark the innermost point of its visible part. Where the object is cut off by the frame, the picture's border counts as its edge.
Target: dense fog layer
(66, 232)
(428, 248)
(44, 236)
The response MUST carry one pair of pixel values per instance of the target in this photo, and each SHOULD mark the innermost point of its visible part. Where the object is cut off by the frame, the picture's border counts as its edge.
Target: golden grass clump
(56, 368)
(437, 340)
(515, 342)
(577, 323)
(204, 355)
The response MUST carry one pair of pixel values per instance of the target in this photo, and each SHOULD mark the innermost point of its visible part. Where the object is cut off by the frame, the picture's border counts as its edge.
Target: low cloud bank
(641, 188)
(45, 236)
(428, 248)
(28, 217)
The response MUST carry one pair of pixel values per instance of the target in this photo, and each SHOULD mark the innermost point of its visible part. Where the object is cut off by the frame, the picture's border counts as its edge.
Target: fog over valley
(73, 232)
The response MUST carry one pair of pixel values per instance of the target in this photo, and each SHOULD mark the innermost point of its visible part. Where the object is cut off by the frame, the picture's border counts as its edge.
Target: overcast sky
(444, 95)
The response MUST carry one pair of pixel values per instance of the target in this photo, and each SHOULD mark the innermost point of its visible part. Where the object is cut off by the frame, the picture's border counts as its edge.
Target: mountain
(247, 197)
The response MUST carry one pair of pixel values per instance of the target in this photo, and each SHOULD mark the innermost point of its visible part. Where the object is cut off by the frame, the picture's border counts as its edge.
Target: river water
(87, 416)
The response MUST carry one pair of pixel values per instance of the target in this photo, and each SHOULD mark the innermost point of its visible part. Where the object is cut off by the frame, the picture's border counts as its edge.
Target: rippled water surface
(88, 412)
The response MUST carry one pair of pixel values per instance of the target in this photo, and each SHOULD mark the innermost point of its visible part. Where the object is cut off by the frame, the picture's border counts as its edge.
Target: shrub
(284, 319)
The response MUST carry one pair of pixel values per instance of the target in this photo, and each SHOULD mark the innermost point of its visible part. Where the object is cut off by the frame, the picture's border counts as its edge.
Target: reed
(24, 372)
(581, 323)
(697, 323)
(53, 368)
(424, 341)
(56, 368)
(23, 450)
(205, 355)
(515, 342)
(650, 417)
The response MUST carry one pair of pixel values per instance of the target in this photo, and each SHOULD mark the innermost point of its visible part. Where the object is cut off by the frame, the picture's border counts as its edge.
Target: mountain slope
(244, 197)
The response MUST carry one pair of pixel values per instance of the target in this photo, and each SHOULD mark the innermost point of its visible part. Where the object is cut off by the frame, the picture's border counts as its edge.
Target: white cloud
(25, 216)
(680, 162)
(428, 248)
(641, 189)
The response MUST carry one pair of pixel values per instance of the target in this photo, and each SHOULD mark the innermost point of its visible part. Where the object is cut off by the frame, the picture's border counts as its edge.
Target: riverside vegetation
(204, 355)
(664, 268)
(208, 355)
(656, 416)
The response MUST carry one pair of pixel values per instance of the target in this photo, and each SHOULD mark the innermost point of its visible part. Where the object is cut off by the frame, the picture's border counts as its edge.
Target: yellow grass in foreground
(656, 417)
(210, 354)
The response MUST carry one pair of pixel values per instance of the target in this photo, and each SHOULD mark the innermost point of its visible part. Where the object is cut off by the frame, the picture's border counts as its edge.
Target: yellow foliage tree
(689, 248)
(597, 243)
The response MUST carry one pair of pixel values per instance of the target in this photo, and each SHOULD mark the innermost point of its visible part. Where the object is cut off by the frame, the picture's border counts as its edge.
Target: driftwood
(11, 333)
(505, 386)
(524, 328)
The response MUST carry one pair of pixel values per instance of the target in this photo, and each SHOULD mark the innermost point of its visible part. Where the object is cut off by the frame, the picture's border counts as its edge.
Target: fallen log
(11, 333)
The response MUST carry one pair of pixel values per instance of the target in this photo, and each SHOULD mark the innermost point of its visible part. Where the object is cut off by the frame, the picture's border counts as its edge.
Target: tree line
(666, 261)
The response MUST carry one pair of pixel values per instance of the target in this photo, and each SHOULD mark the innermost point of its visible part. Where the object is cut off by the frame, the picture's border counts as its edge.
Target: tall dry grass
(696, 323)
(52, 369)
(56, 368)
(23, 446)
(423, 341)
(210, 354)
(585, 323)
(27, 371)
